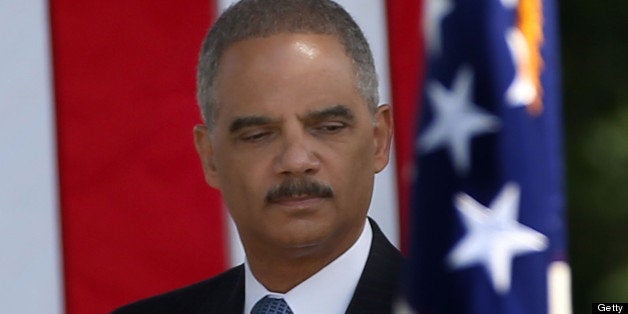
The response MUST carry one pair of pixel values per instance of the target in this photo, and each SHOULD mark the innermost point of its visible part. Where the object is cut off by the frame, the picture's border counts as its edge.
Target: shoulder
(382, 251)
(226, 289)
(379, 283)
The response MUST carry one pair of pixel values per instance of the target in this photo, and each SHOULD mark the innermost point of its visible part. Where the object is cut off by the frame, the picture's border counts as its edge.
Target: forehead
(283, 49)
(297, 68)
(308, 44)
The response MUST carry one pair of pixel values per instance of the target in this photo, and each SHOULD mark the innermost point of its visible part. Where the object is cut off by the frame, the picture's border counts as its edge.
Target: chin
(305, 236)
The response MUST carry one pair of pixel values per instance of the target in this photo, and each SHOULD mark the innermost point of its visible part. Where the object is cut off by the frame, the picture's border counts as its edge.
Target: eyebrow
(338, 111)
(248, 121)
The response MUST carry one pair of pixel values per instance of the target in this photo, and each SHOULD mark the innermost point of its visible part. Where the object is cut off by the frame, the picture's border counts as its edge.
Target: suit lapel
(229, 295)
(377, 287)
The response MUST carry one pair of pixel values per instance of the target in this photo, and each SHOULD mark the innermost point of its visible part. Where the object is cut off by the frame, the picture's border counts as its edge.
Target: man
(292, 138)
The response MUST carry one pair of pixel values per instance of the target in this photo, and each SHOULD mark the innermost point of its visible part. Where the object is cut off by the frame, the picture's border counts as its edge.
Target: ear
(203, 144)
(383, 132)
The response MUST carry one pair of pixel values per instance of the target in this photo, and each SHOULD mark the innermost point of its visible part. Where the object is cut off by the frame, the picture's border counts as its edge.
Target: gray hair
(262, 18)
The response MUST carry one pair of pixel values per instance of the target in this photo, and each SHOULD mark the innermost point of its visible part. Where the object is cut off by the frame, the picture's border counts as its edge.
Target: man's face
(295, 148)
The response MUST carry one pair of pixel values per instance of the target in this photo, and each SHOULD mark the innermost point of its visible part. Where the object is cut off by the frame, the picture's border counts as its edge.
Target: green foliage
(595, 67)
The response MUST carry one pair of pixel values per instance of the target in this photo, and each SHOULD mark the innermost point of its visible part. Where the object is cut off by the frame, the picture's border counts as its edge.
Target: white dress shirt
(328, 291)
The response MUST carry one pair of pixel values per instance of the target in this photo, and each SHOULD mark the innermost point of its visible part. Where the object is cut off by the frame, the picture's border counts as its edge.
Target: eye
(330, 127)
(255, 136)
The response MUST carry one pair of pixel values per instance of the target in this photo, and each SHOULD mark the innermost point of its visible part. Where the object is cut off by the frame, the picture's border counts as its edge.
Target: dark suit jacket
(375, 293)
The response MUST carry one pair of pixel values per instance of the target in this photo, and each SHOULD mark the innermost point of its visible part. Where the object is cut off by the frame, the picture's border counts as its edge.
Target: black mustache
(299, 187)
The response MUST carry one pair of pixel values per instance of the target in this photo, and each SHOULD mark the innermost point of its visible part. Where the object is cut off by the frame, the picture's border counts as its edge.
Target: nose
(297, 156)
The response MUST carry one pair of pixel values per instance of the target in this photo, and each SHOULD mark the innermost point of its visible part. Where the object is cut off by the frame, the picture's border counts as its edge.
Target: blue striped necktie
(268, 305)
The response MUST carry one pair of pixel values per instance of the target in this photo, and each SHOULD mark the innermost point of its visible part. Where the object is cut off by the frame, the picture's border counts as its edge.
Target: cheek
(353, 168)
(241, 179)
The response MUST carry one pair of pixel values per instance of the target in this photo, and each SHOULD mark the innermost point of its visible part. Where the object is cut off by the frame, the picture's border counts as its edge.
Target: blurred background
(595, 84)
(594, 43)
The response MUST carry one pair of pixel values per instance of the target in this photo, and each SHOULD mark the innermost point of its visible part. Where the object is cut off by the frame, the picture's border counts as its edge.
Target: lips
(299, 202)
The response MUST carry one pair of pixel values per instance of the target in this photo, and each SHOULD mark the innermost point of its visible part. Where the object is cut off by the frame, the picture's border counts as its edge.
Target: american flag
(488, 206)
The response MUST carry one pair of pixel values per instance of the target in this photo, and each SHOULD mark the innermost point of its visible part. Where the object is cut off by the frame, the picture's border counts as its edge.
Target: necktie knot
(269, 305)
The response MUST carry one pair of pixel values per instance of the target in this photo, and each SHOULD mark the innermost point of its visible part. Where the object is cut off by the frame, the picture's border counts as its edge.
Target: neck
(280, 269)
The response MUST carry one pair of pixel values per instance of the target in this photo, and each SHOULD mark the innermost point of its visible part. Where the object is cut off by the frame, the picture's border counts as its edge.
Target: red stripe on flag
(138, 218)
(406, 66)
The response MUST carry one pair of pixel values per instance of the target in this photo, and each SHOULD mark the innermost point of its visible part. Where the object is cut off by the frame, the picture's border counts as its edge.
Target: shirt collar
(334, 285)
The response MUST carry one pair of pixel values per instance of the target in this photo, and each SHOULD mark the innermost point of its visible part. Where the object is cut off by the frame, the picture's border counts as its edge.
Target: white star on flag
(435, 12)
(521, 91)
(510, 4)
(494, 236)
(456, 120)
